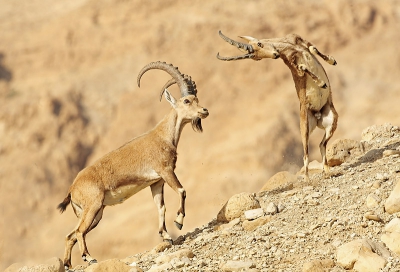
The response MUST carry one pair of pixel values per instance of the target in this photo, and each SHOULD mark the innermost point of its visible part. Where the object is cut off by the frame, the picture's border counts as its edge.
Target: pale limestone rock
(280, 179)
(161, 268)
(390, 152)
(372, 216)
(392, 204)
(253, 214)
(251, 225)
(231, 266)
(341, 150)
(161, 247)
(111, 265)
(227, 226)
(318, 265)
(373, 201)
(359, 255)
(236, 206)
(177, 254)
(392, 236)
(271, 208)
(51, 265)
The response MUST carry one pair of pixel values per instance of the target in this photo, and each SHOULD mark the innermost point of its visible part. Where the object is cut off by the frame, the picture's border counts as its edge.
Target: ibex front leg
(303, 69)
(171, 179)
(157, 189)
(315, 51)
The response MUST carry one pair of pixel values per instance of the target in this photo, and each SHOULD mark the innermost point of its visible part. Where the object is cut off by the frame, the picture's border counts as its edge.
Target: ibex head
(255, 49)
(188, 105)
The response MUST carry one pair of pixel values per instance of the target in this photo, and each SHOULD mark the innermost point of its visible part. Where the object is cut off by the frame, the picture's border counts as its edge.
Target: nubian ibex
(148, 160)
(310, 79)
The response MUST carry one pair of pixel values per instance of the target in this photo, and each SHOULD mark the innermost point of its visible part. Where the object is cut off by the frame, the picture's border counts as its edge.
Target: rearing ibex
(310, 79)
(148, 160)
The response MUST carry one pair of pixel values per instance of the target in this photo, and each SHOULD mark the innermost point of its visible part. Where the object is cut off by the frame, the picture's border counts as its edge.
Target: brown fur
(310, 79)
(148, 160)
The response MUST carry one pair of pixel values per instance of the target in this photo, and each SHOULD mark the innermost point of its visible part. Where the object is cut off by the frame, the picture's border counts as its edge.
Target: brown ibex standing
(148, 160)
(310, 79)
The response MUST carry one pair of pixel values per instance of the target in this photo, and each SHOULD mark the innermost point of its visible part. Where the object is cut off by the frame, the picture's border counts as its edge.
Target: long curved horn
(190, 83)
(184, 86)
(240, 45)
(246, 56)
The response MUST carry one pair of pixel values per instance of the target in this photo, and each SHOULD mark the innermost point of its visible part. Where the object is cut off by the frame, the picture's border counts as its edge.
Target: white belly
(122, 193)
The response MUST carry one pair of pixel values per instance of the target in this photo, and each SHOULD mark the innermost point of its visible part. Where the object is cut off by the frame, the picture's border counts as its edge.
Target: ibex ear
(170, 98)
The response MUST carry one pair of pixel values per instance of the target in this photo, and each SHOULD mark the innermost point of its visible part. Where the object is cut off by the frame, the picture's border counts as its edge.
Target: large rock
(392, 236)
(236, 206)
(342, 150)
(318, 265)
(280, 179)
(392, 204)
(385, 131)
(359, 255)
(51, 265)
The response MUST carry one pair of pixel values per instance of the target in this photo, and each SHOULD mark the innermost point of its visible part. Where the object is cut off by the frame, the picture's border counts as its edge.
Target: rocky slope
(348, 221)
(68, 95)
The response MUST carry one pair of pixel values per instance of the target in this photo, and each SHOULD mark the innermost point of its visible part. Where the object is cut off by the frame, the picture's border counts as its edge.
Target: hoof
(93, 261)
(169, 241)
(67, 268)
(178, 225)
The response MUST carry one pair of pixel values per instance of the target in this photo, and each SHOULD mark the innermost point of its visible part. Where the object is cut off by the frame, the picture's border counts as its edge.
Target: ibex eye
(260, 45)
(186, 101)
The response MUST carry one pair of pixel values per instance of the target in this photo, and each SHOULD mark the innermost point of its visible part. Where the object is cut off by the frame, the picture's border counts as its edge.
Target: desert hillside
(68, 95)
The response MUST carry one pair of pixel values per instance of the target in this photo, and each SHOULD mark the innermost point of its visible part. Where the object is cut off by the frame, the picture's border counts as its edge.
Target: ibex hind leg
(90, 219)
(328, 122)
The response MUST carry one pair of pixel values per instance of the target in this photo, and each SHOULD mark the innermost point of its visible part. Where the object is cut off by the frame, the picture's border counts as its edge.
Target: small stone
(253, 214)
(237, 266)
(372, 216)
(373, 201)
(392, 204)
(390, 152)
(110, 265)
(253, 224)
(376, 184)
(160, 247)
(281, 207)
(226, 226)
(177, 254)
(271, 209)
(318, 265)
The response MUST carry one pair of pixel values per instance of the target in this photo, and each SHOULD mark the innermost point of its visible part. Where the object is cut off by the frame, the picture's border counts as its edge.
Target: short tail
(63, 205)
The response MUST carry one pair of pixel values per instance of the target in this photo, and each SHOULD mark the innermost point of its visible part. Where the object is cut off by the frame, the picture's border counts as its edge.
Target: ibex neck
(170, 127)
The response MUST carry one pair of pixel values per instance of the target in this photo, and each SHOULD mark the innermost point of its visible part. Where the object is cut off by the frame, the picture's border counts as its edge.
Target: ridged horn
(246, 56)
(240, 45)
(190, 83)
(183, 85)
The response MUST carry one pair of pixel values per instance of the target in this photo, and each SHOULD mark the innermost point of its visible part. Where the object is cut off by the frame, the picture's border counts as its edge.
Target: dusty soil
(68, 94)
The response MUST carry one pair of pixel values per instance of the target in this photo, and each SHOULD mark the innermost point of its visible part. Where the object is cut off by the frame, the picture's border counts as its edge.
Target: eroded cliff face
(68, 95)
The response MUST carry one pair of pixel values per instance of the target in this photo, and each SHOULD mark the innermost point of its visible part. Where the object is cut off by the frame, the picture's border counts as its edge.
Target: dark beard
(196, 125)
